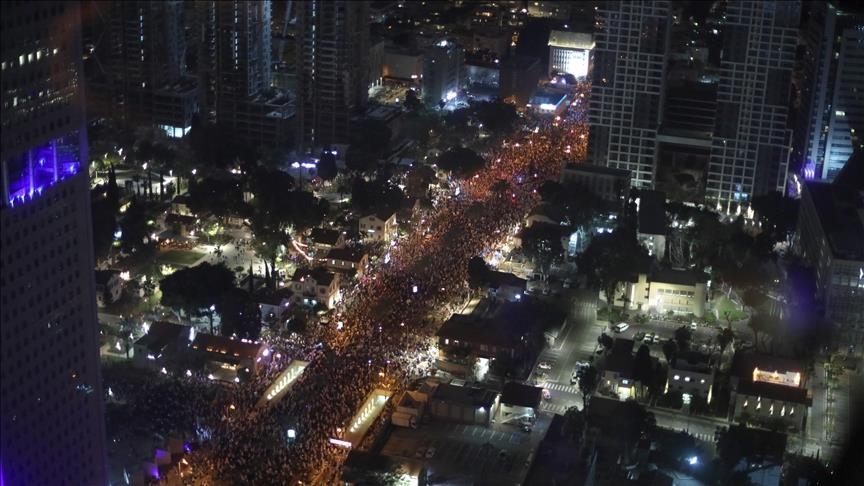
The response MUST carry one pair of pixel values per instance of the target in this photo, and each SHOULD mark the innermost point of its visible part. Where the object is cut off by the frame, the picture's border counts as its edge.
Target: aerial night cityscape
(464, 242)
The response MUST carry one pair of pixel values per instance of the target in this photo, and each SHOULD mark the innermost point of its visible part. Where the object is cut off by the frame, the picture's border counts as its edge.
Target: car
(639, 336)
(656, 339)
(430, 453)
(582, 364)
(692, 326)
(544, 365)
(648, 338)
(546, 394)
(574, 378)
(619, 328)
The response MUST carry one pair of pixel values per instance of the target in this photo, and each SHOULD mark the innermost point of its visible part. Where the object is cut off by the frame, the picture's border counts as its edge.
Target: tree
(643, 369)
(768, 327)
(461, 162)
(496, 116)
(196, 290)
(670, 349)
(379, 193)
(220, 197)
(478, 272)
(542, 243)
(588, 382)
(359, 159)
(725, 337)
(104, 224)
(605, 340)
(418, 181)
(683, 335)
(239, 314)
(135, 232)
(327, 169)
(412, 101)
(611, 259)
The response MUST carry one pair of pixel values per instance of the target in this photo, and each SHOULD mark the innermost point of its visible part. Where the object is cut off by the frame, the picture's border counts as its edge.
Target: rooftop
(652, 212)
(227, 347)
(692, 361)
(677, 277)
(321, 275)
(346, 254)
(325, 236)
(743, 364)
(383, 214)
(840, 207)
(497, 279)
(521, 395)
(774, 392)
(571, 40)
(467, 395)
(161, 334)
(275, 297)
(596, 169)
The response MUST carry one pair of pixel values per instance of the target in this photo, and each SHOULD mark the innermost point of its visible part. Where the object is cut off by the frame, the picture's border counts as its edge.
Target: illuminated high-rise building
(751, 144)
(570, 52)
(830, 122)
(53, 429)
(630, 52)
(332, 72)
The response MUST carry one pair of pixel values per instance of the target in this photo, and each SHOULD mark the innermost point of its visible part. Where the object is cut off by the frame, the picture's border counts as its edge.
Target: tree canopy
(612, 258)
(542, 243)
(194, 290)
(221, 197)
(461, 162)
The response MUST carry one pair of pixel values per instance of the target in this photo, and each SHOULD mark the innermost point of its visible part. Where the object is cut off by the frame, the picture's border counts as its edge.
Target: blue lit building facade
(53, 428)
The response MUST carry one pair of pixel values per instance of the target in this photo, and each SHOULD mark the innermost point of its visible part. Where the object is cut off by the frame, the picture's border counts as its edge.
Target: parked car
(656, 339)
(648, 338)
(574, 378)
(693, 326)
(619, 328)
(639, 336)
(543, 365)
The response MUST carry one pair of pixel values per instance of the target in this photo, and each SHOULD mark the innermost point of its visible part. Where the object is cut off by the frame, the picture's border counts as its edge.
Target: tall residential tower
(332, 74)
(830, 124)
(53, 429)
(631, 46)
(751, 145)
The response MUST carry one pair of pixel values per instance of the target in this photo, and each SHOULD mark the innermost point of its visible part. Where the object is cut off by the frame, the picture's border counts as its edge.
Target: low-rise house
(180, 205)
(544, 213)
(506, 286)
(462, 404)
(322, 240)
(664, 289)
(109, 287)
(228, 359)
(378, 226)
(163, 341)
(346, 260)
(518, 402)
(409, 409)
(691, 374)
(274, 306)
(181, 225)
(769, 391)
(617, 365)
(315, 286)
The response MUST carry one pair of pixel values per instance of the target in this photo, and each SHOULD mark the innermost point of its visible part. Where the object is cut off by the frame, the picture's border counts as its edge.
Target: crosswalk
(554, 408)
(562, 388)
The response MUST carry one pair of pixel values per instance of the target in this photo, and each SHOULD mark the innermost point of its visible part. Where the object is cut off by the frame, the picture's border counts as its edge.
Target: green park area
(726, 309)
(178, 258)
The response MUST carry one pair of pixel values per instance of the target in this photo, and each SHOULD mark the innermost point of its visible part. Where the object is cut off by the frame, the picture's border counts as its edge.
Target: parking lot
(489, 455)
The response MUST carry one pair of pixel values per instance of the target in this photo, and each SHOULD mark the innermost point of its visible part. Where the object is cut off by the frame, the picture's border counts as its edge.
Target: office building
(570, 53)
(830, 238)
(751, 144)
(631, 46)
(831, 91)
(235, 68)
(332, 69)
(443, 71)
(136, 69)
(53, 429)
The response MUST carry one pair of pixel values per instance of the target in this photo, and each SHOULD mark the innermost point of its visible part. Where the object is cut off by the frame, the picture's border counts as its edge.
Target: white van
(621, 327)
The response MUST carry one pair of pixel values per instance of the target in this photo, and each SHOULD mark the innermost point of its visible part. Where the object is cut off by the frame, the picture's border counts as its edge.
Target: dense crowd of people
(381, 334)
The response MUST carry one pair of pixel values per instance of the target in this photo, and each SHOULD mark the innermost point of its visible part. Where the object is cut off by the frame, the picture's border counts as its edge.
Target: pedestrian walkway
(551, 407)
(562, 388)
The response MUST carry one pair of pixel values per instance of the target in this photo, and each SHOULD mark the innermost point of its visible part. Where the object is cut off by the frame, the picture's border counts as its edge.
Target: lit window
(771, 409)
(840, 113)
(791, 410)
(783, 411)
(677, 377)
(758, 405)
(746, 402)
(687, 379)
(702, 381)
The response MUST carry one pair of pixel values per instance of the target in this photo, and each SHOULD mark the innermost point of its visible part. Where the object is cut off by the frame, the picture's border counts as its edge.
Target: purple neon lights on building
(30, 173)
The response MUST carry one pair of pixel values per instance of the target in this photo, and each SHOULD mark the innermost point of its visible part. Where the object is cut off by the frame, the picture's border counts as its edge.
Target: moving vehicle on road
(619, 328)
